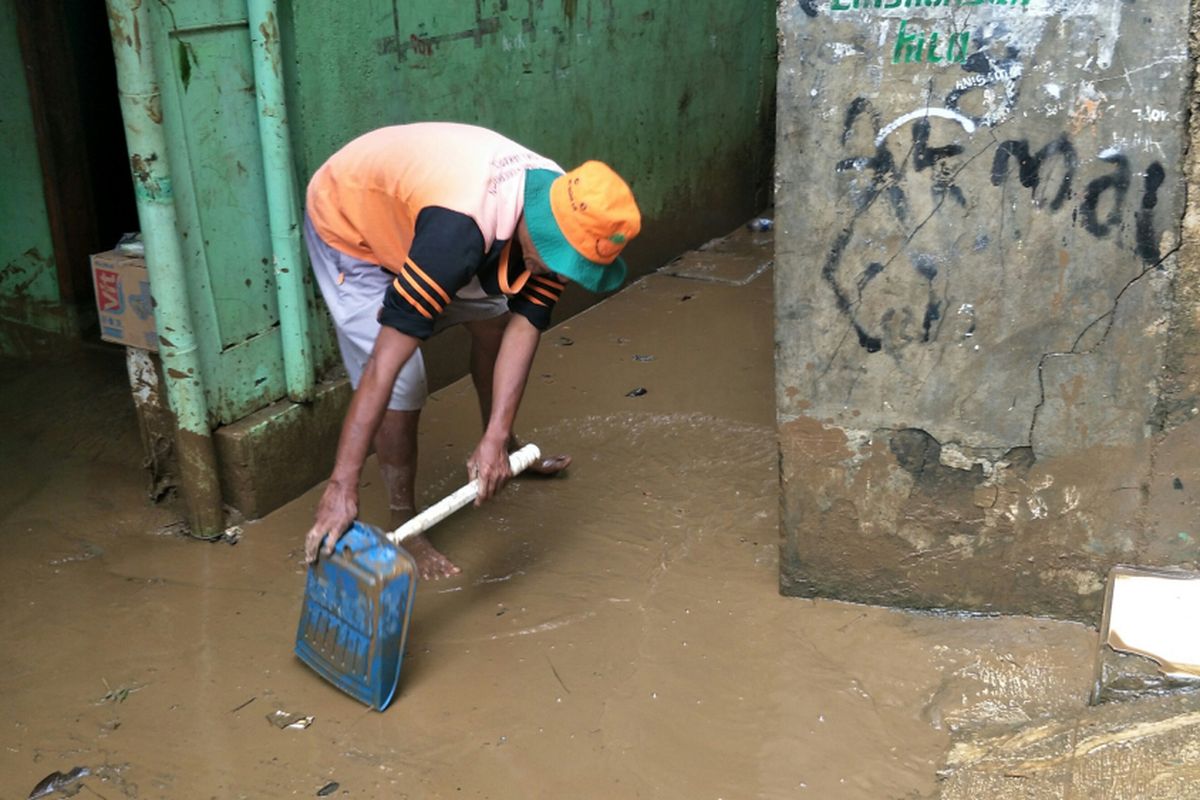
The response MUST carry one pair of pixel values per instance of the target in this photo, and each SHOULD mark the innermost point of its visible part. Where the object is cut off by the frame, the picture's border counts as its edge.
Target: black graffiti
(934, 158)
(882, 165)
(885, 182)
(882, 168)
(1116, 182)
(871, 344)
(1033, 170)
(873, 269)
(858, 106)
(926, 267)
(1147, 242)
(808, 7)
(1049, 172)
(1032, 167)
(925, 156)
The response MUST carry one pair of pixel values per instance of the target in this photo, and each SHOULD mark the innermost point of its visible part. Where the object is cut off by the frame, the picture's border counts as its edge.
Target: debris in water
(283, 720)
(643, 358)
(685, 298)
(1178, 484)
(58, 781)
(243, 705)
(565, 341)
(90, 551)
(232, 534)
(328, 789)
(761, 224)
(557, 676)
(117, 695)
(638, 392)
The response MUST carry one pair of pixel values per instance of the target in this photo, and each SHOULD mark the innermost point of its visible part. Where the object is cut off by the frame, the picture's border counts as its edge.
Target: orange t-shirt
(365, 199)
(436, 203)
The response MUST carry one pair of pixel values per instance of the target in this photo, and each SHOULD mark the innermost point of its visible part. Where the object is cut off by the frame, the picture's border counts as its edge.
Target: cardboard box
(123, 300)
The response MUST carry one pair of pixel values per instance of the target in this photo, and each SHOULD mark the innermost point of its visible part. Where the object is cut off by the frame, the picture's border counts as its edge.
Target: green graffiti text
(914, 47)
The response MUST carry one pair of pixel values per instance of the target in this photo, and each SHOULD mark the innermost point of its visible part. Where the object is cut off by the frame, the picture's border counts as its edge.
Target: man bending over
(414, 228)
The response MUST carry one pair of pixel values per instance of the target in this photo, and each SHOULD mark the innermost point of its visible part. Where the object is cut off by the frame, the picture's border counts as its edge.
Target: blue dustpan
(357, 605)
(358, 602)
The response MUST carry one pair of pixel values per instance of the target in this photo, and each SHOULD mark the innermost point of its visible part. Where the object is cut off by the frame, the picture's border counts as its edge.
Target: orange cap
(595, 211)
(581, 221)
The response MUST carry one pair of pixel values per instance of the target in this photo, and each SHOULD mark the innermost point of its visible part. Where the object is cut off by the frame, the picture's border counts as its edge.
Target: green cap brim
(554, 248)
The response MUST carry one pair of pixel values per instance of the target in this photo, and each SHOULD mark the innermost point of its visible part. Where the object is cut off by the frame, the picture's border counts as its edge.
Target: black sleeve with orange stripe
(536, 300)
(447, 250)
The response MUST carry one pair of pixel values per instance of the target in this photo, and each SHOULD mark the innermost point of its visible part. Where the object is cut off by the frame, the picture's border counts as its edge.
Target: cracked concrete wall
(983, 340)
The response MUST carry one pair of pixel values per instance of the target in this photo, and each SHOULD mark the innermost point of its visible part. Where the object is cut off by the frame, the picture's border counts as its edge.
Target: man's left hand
(489, 465)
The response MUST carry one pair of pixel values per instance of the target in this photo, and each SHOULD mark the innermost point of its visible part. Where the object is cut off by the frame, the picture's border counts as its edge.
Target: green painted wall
(677, 95)
(29, 293)
(203, 61)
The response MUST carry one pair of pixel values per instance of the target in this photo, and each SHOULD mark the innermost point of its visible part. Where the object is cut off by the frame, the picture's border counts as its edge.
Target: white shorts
(353, 292)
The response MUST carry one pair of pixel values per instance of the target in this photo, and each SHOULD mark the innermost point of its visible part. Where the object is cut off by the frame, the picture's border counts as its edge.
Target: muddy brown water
(615, 633)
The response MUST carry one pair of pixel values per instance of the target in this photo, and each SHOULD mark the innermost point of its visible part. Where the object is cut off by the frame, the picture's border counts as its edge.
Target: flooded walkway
(616, 633)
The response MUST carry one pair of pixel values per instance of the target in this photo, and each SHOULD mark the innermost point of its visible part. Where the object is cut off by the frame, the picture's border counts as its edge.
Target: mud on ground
(615, 633)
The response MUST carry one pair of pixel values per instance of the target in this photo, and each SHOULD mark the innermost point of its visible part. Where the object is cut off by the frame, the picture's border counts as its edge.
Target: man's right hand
(339, 503)
(335, 513)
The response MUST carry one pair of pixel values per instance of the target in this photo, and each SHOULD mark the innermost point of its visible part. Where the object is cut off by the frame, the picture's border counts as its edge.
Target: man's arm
(489, 462)
(339, 502)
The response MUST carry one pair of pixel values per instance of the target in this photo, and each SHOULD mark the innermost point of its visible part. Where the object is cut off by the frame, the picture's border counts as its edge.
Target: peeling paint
(1037, 507)
(953, 456)
(1082, 582)
(1071, 499)
(842, 50)
(269, 30)
(146, 184)
(143, 377)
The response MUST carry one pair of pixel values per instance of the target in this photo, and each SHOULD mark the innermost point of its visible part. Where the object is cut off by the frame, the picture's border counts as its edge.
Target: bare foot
(431, 564)
(546, 466)
(549, 465)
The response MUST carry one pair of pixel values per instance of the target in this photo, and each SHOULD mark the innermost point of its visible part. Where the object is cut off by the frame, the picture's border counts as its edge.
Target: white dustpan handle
(437, 512)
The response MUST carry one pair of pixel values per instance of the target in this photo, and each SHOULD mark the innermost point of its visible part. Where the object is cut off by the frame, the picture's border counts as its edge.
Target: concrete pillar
(979, 213)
